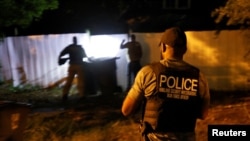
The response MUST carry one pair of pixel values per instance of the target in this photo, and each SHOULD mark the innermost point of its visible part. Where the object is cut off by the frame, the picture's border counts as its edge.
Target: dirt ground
(98, 118)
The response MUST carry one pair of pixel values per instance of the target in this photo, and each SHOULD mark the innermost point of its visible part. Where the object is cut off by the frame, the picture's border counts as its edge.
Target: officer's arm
(83, 53)
(136, 94)
(123, 44)
(205, 95)
(63, 52)
(129, 105)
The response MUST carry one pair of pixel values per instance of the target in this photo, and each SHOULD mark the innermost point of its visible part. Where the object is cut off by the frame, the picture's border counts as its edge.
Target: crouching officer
(175, 94)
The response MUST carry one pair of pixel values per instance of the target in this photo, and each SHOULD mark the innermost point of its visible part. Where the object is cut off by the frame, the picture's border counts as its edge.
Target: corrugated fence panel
(3, 53)
(6, 69)
(33, 59)
(224, 58)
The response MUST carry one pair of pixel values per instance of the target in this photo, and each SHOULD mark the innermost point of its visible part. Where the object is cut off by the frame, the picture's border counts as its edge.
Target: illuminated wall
(224, 58)
(34, 58)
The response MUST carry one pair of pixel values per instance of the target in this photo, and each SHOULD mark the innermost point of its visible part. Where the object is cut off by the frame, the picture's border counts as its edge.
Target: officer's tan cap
(174, 37)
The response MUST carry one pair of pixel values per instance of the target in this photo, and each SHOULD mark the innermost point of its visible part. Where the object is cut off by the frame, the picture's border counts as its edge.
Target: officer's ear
(164, 47)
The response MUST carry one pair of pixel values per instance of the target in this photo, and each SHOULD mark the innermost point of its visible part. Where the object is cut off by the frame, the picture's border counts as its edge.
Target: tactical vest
(176, 104)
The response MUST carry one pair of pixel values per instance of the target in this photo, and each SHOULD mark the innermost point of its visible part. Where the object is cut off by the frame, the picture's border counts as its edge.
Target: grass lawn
(98, 118)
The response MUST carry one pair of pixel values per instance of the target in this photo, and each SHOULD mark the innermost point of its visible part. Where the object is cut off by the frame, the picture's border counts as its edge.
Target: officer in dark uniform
(76, 54)
(174, 93)
(135, 55)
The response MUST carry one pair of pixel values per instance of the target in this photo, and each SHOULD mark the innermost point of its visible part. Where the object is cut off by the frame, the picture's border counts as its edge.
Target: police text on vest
(178, 87)
(179, 83)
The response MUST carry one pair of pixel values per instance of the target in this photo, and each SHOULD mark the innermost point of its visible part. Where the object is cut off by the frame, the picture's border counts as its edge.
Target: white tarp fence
(224, 58)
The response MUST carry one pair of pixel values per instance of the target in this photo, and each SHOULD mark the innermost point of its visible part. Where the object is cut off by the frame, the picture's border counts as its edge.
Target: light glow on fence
(103, 46)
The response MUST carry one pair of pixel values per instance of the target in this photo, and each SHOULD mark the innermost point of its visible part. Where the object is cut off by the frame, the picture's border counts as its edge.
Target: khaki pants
(72, 71)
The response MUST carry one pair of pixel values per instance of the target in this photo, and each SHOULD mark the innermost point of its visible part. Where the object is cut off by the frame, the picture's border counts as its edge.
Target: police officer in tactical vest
(174, 94)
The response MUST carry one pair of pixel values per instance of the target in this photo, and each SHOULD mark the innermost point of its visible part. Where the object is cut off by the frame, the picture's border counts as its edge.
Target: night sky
(77, 16)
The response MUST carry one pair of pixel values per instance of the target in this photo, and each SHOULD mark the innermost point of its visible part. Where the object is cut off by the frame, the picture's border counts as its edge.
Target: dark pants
(133, 68)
